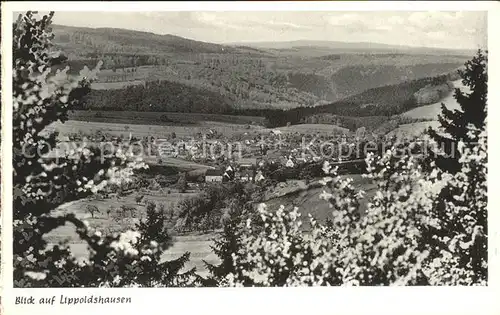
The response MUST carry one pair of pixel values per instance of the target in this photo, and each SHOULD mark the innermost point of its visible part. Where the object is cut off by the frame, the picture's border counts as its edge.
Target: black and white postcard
(275, 144)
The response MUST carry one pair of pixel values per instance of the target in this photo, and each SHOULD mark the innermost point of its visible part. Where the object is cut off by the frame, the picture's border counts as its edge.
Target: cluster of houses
(275, 148)
(244, 170)
(283, 148)
(251, 168)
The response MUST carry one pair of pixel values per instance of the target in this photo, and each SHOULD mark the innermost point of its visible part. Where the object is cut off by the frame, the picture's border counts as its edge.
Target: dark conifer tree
(472, 111)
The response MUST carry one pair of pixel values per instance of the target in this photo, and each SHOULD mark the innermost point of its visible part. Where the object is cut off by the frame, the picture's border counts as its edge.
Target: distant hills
(202, 76)
(113, 40)
(79, 40)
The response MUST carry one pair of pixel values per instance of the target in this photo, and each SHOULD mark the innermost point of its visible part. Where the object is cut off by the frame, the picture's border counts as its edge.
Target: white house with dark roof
(214, 176)
(247, 176)
(259, 177)
(247, 163)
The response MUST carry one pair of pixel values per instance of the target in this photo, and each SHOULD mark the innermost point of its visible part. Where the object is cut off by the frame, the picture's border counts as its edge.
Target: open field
(178, 164)
(114, 85)
(311, 129)
(160, 118)
(183, 124)
(433, 110)
(104, 221)
(197, 244)
(308, 201)
(158, 131)
(414, 129)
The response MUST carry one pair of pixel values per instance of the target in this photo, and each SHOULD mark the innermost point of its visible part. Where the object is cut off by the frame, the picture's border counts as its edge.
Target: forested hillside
(355, 79)
(81, 40)
(384, 101)
(370, 108)
(158, 96)
(239, 76)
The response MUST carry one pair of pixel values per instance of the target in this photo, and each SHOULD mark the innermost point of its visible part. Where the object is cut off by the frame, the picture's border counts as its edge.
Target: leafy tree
(154, 225)
(42, 183)
(360, 132)
(92, 210)
(139, 199)
(129, 209)
(182, 183)
(454, 123)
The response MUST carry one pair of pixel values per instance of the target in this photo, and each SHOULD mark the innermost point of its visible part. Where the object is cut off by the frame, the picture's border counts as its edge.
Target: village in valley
(244, 156)
(272, 163)
(196, 144)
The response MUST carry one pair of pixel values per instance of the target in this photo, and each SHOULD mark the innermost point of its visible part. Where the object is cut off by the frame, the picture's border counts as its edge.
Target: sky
(457, 30)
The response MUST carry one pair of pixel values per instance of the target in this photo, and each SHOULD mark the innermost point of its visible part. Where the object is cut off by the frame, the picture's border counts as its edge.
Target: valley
(156, 89)
(240, 77)
(204, 149)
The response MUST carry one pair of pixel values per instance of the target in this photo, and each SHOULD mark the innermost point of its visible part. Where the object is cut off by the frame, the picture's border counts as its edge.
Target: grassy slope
(308, 202)
(155, 118)
(311, 129)
(158, 131)
(413, 129)
(196, 243)
(433, 110)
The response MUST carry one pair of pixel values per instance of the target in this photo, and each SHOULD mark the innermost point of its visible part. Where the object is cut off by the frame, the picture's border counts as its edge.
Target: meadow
(434, 110)
(160, 118)
(110, 220)
(413, 129)
(430, 112)
(142, 130)
(306, 197)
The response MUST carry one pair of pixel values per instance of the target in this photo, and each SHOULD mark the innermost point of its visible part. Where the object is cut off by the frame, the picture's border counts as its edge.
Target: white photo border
(318, 300)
